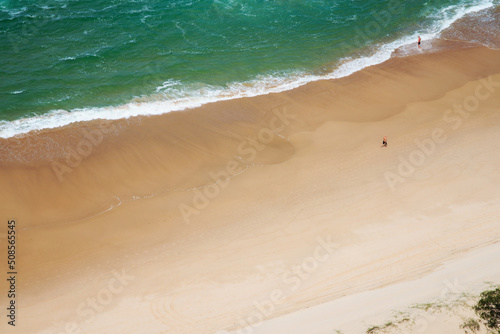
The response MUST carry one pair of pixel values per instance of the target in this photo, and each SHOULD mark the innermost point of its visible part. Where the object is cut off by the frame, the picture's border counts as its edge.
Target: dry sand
(131, 227)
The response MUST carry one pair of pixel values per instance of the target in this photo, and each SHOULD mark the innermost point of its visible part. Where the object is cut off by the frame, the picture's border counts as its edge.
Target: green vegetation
(425, 306)
(488, 308)
(372, 330)
(376, 329)
(470, 325)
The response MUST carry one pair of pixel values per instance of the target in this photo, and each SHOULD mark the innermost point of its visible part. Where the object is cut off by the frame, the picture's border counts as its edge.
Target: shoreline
(59, 154)
(452, 35)
(292, 180)
(155, 106)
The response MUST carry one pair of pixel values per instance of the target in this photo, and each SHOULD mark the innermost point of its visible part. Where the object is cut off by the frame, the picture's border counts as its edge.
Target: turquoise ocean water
(66, 60)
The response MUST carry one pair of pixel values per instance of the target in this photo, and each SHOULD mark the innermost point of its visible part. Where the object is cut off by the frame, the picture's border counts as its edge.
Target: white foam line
(187, 99)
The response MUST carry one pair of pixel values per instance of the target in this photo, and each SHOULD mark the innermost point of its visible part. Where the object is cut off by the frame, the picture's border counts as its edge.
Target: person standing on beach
(419, 40)
(384, 142)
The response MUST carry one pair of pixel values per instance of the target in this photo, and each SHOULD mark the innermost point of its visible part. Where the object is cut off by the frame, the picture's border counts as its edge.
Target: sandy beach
(254, 215)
